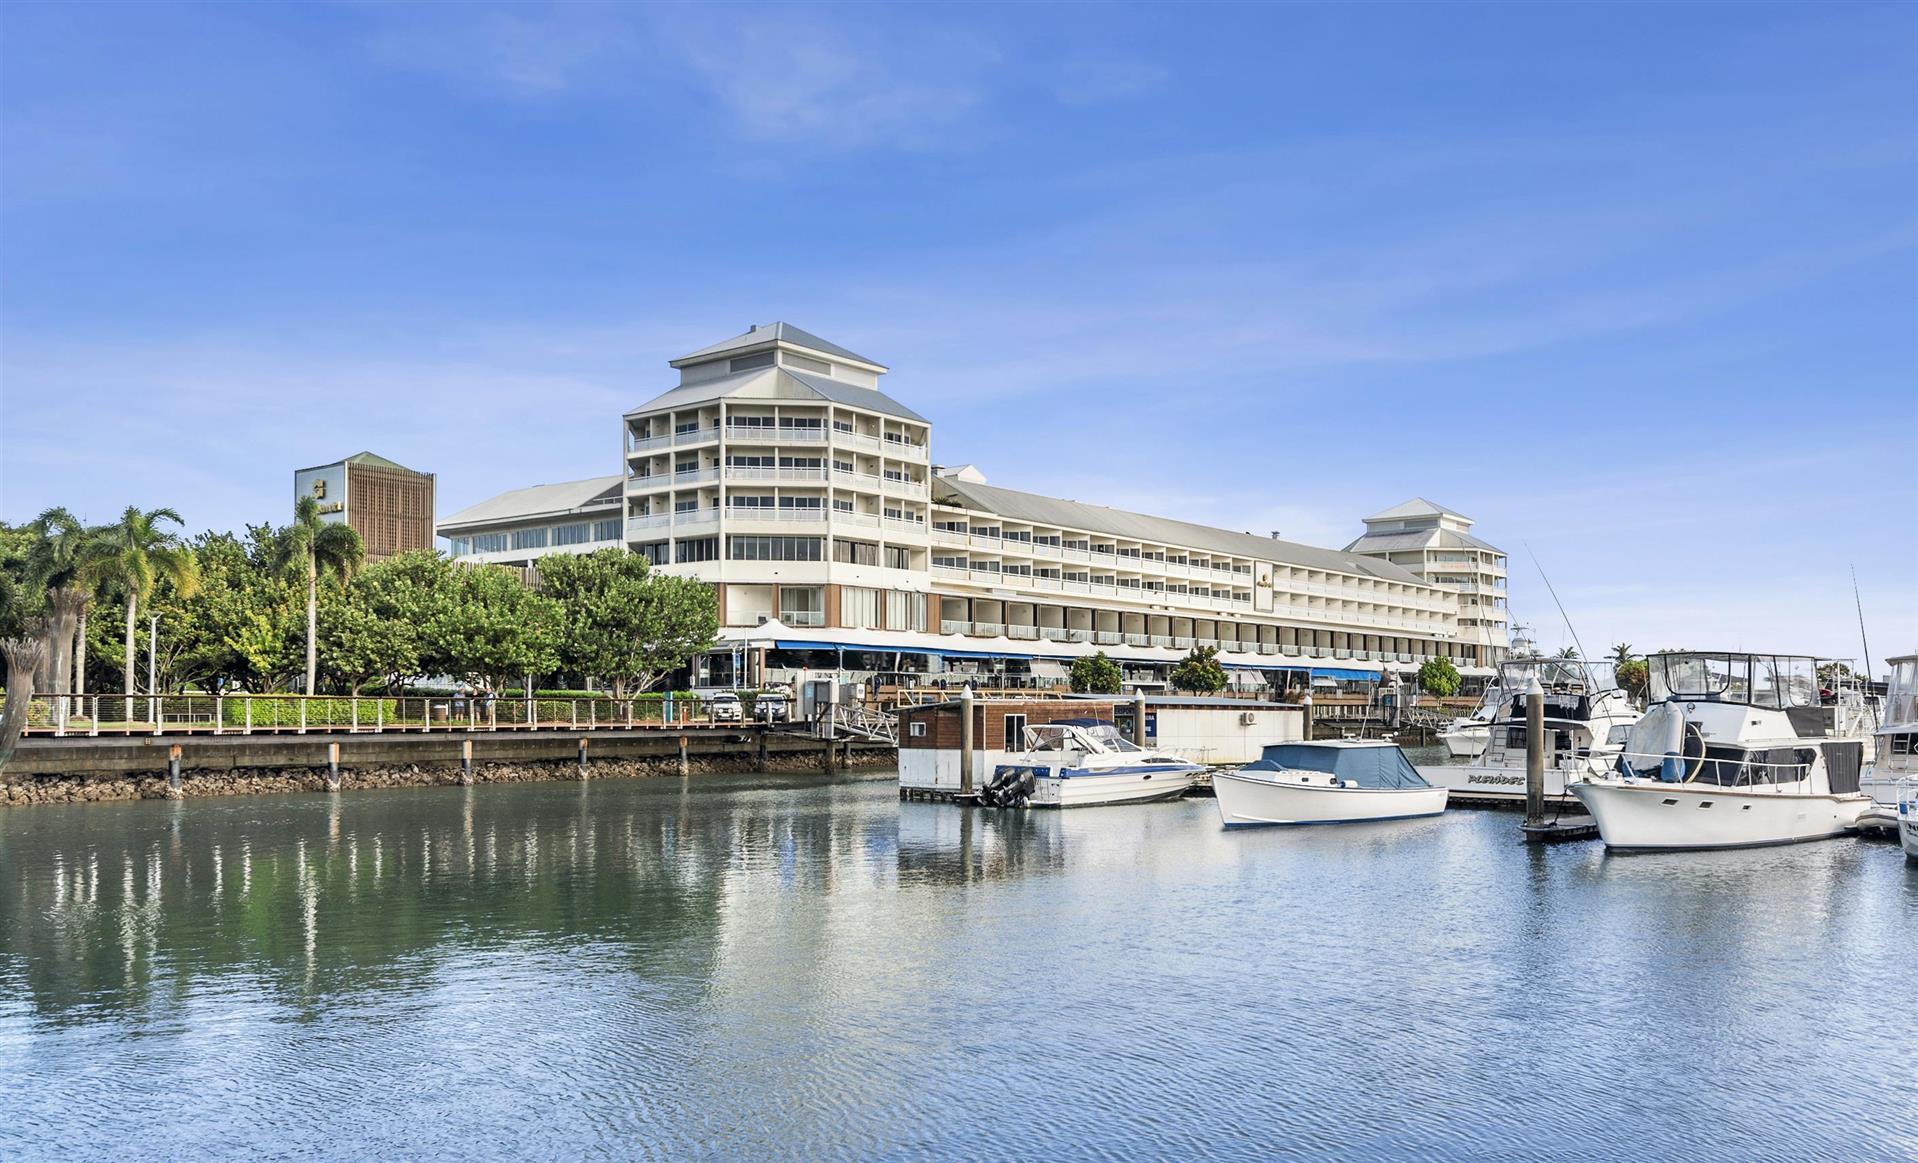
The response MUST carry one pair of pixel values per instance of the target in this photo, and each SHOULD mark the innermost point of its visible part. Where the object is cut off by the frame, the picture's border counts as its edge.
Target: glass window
(529, 539)
(461, 546)
(578, 533)
(696, 549)
(898, 557)
(858, 607)
(746, 363)
(1015, 737)
(855, 552)
(746, 548)
(607, 530)
(489, 542)
(654, 553)
(905, 611)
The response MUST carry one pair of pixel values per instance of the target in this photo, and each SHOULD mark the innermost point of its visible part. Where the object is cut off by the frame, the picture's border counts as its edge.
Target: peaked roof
(1416, 507)
(1419, 539)
(370, 460)
(1042, 510)
(779, 383)
(767, 333)
(536, 501)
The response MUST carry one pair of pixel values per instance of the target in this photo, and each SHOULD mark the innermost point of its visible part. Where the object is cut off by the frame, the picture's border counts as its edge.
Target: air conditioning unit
(764, 618)
(1248, 718)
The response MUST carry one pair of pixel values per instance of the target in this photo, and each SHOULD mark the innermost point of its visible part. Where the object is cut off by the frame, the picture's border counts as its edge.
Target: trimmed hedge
(280, 712)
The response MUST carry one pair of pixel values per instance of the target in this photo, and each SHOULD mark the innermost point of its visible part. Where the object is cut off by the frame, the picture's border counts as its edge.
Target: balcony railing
(802, 617)
(737, 472)
(772, 434)
(787, 516)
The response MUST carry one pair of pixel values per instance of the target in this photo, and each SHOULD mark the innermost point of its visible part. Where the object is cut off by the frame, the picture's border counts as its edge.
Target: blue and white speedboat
(1326, 783)
(1086, 762)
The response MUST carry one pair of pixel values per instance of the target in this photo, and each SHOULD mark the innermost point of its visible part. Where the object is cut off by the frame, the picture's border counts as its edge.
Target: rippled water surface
(802, 969)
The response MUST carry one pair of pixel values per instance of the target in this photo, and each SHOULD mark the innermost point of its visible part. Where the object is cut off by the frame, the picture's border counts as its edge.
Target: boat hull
(1908, 819)
(1245, 800)
(1481, 782)
(1640, 815)
(1075, 788)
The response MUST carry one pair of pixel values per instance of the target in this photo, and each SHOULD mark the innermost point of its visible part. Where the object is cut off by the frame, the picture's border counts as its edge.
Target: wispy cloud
(524, 50)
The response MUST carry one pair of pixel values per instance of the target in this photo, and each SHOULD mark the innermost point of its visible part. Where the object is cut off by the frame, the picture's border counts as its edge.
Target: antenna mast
(1862, 640)
(1561, 605)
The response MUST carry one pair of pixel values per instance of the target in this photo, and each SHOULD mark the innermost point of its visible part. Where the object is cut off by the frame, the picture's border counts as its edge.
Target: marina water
(791, 968)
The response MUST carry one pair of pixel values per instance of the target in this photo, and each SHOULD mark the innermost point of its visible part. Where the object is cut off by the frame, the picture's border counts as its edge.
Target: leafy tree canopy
(623, 623)
(1199, 672)
(1096, 675)
(1438, 677)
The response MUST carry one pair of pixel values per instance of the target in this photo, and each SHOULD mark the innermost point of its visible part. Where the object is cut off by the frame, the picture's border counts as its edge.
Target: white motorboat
(1466, 736)
(1325, 783)
(1083, 763)
(1908, 817)
(1738, 750)
(1586, 717)
(1895, 754)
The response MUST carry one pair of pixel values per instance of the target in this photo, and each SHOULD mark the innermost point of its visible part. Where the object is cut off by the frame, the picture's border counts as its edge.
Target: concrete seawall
(72, 770)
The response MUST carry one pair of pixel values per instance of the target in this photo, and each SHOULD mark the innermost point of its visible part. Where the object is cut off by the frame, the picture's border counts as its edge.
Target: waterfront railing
(275, 714)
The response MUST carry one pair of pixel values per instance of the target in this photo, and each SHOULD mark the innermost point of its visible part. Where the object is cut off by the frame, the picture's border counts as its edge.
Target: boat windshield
(1778, 681)
(1901, 695)
(1076, 737)
(1567, 676)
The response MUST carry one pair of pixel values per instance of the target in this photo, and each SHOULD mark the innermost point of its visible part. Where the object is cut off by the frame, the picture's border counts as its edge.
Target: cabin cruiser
(1895, 751)
(1465, 737)
(1083, 762)
(1908, 817)
(1586, 717)
(1738, 750)
(1325, 783)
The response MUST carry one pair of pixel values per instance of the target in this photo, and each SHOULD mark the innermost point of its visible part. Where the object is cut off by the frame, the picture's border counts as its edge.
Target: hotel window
(746, 363)
(985, 530)
(690, 426)
(898, 557)
(747, 460)
(696, 549)
(739, 548)
(858, 607)
(578, 533)
(749, 502)
(1104, 580)
(1019, 535)
(489, 543)
(529, 539)
(1020, 570)
(1045, 572)
(1130, 583)
(950, 526)
(689, 465)
(1076, 576)
(1076, 544)
(950, 562)
(895, 514)
(810, 422)
(842, 426)
(802, 503)
(1131, 552)
(1052, 540)
(1108, 548)
(905, 611)
(691, 506)
(655, 553)
(461, 546)
(800, 462)
(986, 566)
(855, 552)
(606, 530)
(841, 506)
(845, 466)
(802, 605)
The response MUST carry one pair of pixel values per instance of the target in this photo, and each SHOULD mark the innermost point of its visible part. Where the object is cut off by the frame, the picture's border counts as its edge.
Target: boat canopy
(1901, 695)
(1379, 767)
(1777, 681)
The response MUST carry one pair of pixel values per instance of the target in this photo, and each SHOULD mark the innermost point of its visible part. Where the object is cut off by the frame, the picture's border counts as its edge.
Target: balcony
(1022, 632)
(906, 525)
(648, 443)
(988, 629)
(899, 488)
(638, 527)
(772, 434)
(1053, 633)
(753, 473)
(903, 449)
(857, 520)
(868, 481)
(802, 617)
(949, 626)
(698, 476)
(696, 519)
(747, 513)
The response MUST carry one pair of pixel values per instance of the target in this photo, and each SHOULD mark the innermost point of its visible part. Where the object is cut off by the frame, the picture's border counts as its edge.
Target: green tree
(1096, 675)
(492, 628)
(361, 644)
(623, 623)
(1567, 652)
(1830, 674)
(318, 548)
(1438, 677)
(62, 564)
(1634, 676)
(1199, 672)
(137, 552)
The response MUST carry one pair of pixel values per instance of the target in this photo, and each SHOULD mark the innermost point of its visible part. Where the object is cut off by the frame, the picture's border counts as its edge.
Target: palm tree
(317, 547)
(61, 561)
(1568, 652)
(1622, 653)
(136, 552)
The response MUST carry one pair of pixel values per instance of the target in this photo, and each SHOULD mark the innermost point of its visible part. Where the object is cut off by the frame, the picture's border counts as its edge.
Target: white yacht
(1586, 717)
(1325, 783)
(1081, 763)
(1908, 817)
(1738, 750)
(1895, 751)
(1466, 736)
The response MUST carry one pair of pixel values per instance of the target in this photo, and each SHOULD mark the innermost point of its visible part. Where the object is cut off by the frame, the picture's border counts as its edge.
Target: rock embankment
(68, 789)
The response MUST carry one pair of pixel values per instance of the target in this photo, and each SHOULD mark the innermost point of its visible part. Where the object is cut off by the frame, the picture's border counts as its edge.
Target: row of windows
(752, 548)
(859, 608)
(571, 533)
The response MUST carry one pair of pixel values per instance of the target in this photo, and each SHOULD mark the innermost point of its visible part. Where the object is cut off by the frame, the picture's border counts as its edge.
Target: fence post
(466, 762)
(94, 728)
(574, 704)
(685, 768)
(492, 714)
(529, 707)
(356, 713)
(379, 713)
(153, 712)
(173, 769)
(629, 714)
(582, 757)
(333, 767)
(302, 716)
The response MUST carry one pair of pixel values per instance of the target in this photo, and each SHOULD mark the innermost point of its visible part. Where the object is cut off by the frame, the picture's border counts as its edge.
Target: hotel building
(389, 505)
(778, 471)
(1436, 544)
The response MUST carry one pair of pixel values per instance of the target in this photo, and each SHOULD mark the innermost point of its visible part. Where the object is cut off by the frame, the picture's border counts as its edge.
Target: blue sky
(1633, 285)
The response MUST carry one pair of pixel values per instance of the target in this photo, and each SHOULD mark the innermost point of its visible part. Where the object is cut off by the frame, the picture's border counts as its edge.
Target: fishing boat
(1586, 718)
(1738, 750)
(1466, 736)
(1325, 783)
(1895, 746)
(1086, 762)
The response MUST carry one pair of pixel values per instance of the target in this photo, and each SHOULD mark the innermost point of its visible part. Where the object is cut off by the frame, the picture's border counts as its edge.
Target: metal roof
(779, 383)
(1416, 507)
(536, 501)
(370, 460)
(766, 333)
(1041, 510)
(1419, 539)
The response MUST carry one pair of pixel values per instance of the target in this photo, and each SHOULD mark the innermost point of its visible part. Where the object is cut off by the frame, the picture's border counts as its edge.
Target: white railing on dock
(270, 714)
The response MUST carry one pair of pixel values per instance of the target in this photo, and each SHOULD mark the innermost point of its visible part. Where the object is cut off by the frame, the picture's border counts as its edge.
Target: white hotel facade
(780, 473)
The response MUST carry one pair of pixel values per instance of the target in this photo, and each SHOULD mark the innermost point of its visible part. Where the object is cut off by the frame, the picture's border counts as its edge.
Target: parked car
(724, 707)
(772, 707)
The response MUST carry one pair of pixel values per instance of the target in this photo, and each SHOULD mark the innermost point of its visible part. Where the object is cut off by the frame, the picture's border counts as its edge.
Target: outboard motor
(1009, 787)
